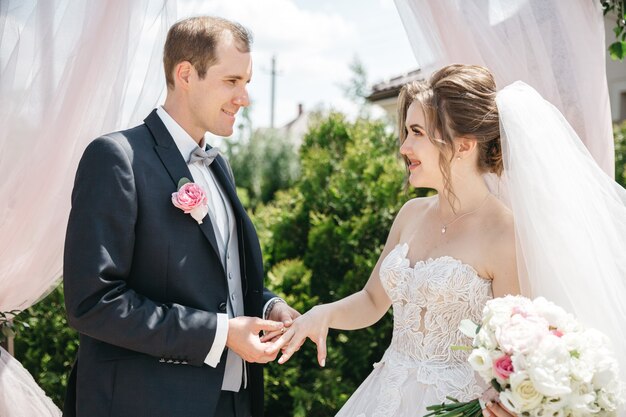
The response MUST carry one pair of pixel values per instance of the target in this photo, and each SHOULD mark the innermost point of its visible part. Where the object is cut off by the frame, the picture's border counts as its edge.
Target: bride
(448, 254)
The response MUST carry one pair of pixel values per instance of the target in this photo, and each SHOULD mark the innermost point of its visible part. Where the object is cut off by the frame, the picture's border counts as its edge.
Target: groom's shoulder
(127, 139)
(130, 136)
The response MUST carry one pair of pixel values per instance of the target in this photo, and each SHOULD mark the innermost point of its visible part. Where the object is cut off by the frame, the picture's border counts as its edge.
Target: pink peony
(557, 332)
(521, 335)
(503, 367)
(191, 199)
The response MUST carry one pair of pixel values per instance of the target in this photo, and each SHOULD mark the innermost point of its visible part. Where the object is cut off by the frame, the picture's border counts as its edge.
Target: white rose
(521, 334)
(607, 400)
(486, 339)
(480, 361)
(548, 367)
(552, 407)
(523, 392)
(581, 400)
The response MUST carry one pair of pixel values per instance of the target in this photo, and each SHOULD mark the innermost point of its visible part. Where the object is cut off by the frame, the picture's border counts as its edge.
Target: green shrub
(48, 347)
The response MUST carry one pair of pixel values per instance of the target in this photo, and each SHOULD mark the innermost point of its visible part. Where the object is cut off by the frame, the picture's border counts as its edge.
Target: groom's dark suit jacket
(144, 281)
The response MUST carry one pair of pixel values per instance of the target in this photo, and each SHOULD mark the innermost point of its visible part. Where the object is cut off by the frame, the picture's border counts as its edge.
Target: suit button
(230, 276)
(222, 307)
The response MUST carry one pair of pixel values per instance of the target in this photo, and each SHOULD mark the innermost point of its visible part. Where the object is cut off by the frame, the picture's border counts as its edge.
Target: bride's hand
(496, 409)
(314, 325)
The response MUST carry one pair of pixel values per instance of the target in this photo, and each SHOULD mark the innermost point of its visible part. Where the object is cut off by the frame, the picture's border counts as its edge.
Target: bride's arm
(359, 310)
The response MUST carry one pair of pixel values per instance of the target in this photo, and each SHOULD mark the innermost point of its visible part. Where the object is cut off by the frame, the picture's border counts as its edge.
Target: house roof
(391, 87)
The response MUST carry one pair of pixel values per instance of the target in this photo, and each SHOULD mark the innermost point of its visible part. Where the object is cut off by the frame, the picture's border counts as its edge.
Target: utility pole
(273, 87)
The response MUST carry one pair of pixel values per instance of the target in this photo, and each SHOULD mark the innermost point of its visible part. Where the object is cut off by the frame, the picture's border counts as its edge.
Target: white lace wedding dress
(419, 369)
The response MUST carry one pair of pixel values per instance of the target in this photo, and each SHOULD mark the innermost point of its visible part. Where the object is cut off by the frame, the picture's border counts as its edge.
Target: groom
(168, 305)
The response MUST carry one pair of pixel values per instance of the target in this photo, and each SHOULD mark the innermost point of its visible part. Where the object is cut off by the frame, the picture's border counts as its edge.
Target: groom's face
(216, 98)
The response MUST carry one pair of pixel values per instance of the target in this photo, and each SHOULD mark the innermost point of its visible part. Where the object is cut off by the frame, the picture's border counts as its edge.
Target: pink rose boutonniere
(191, 199)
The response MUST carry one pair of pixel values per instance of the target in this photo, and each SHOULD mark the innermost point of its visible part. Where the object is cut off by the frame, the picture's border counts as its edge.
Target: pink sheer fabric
(66, 76)
(69, 71)
(557, 47)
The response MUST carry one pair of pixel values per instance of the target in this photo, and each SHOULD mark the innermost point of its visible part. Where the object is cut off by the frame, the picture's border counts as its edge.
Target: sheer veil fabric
(570, 217)
(539, 42)
(65, 77)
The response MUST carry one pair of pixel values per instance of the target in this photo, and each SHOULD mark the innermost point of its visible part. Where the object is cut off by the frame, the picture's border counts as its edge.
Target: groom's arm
(97, 262)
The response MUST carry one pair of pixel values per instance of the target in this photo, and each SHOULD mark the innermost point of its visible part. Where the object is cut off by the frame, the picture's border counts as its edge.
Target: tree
(264, 164)
(617, 49)
(356, 88)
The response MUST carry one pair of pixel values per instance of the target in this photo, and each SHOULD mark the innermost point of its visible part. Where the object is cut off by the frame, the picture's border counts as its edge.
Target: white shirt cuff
(219, 342)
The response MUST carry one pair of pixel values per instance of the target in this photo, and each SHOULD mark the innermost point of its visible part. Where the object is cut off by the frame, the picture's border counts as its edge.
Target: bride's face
(423, 156)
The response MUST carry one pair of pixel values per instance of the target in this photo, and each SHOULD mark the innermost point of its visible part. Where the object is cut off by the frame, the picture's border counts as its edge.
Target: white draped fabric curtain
(557, 47)
(70, 70)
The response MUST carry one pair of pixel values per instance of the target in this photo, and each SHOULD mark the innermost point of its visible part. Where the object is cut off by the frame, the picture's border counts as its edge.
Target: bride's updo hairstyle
(458, 100)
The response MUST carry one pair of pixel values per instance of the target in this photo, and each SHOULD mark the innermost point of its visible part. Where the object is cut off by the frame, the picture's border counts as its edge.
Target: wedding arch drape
(70, 70)
(557, 47)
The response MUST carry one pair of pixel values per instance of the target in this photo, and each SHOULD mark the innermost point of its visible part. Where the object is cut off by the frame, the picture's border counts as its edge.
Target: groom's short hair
(196, 39)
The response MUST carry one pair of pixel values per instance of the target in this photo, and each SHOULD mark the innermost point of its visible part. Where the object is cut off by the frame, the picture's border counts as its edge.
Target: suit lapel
(220, 172)
(176, 166)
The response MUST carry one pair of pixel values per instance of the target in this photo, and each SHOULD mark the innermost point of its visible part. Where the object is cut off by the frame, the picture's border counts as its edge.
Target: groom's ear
(182, 74)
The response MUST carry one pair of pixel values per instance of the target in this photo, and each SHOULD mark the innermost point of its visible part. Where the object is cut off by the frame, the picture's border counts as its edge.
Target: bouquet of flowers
(541, 361)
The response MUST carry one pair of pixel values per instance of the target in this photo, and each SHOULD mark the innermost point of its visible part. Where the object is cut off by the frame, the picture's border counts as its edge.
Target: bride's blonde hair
(458, 100)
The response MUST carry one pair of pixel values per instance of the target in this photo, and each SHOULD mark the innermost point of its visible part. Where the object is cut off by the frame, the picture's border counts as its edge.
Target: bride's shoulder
(499, 230)
(499, 223)
(414, 207)
(419, 203)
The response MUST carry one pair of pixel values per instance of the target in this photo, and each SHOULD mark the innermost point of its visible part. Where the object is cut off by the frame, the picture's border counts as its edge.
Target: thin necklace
(444, 226)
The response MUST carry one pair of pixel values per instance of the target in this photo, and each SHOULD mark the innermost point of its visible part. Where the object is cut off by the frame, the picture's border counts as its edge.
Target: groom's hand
(312, 325)
(243, 338)
(283, 313)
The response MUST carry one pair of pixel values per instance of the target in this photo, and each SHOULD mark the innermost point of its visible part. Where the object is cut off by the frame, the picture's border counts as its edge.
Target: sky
(314, 42)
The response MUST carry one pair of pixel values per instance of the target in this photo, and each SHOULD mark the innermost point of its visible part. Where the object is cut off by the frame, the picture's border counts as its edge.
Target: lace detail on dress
(429, 301)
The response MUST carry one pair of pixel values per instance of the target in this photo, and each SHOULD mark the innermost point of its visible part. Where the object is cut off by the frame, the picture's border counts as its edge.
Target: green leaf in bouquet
(183, 181)
(468, 328)
(466, 348)
(454, 409)
(496, 385)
